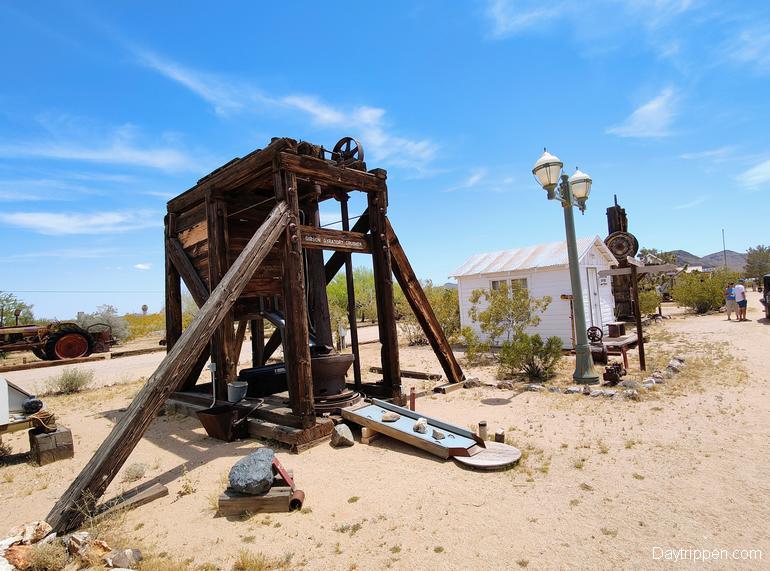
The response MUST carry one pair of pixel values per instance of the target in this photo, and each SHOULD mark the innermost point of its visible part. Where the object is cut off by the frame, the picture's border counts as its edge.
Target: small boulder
(534, 387)
(389, 416)
(553, 389)
(253, 474)
(675, 365)
(342, 436)
(648, 386)
(505, 385)
(421, 426)
(657, 375)
(127, 558)
(609, 393)
(471, 383)
(679, 358)
(19, 556)
(573, 390)
(631, 394)
(629, 384)
(595, 393)
(31, 532)
(438, 435)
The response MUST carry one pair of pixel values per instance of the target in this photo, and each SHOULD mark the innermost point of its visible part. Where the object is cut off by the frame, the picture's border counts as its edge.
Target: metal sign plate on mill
(495, 456)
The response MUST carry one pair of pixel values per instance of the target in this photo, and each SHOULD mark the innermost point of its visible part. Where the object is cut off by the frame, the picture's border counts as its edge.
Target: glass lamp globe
(547, 170)
(580, 183)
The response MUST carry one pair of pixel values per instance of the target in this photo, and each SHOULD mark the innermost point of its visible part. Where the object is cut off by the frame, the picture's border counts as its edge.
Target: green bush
(445, 305)
(106, 314)
(702, 291)
(649, 301)
(531, 355)
(70, 381)
(474, 348)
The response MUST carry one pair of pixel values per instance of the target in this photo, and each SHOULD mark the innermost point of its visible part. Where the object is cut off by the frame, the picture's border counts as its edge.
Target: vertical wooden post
(223, 341)
(383, 285)
(296, 343)
(173, 291)
(317, 302)
(351, 297)
(257, 342)
(638, 317)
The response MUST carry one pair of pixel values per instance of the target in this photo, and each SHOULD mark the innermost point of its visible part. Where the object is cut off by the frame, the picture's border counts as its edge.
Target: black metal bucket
(221, 422)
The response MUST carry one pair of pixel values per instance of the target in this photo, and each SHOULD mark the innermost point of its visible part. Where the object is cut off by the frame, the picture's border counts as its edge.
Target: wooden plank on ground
(80, 497)
(130, 500)
(276, 500)
(411, 374)
(45, 364)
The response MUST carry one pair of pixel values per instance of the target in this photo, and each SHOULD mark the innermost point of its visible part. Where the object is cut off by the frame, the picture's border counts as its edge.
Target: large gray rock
(342, 436)
(123, 558)
(253, 474)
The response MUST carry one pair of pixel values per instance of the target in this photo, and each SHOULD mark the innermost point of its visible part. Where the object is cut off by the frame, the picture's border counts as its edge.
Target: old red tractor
(58, 340)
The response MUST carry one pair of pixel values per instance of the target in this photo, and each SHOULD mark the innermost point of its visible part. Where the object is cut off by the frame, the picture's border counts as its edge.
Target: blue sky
(109, 109)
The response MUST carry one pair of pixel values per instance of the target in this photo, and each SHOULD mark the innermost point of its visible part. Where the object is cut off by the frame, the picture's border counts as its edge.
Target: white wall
(554, 282)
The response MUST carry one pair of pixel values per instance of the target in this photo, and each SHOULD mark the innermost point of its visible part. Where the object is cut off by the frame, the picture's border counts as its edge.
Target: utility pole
(724, 250)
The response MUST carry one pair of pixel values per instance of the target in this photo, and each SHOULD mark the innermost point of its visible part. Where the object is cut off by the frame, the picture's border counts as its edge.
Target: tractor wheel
(40, 353)
(69, 343)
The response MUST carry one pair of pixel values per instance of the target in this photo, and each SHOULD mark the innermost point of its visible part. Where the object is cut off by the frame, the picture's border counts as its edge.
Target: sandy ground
(601, 484)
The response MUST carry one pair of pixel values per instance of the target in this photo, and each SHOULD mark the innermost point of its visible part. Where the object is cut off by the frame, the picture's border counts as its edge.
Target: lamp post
(570, 191)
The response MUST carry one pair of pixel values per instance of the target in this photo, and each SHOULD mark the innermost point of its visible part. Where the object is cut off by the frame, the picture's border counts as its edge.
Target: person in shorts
(740, 299)
(730, 304)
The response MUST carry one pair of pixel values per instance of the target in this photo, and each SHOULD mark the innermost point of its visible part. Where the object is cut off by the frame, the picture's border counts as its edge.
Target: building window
(496, 284)
(518, 283)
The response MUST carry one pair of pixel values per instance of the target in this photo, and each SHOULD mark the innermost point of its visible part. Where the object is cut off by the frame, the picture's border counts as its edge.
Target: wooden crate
(47, 447)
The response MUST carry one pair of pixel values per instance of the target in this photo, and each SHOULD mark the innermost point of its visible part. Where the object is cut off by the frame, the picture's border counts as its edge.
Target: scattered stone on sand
(631, 394)
(648, 386)
(679, 358)
(595, 393)
(30, 533)
(342, 436)
(534, 387)
(609, 393)
(675, 365)
(505, 385)
(253, 474)
(19, 556)
(421, 426)
(573, 390)
(586, 390)
(629, 384)
(438, 435)
(471, 383)
(553, 389)
(85, 547)
(657, 375)
(390, 416)
(650, 380)
(127, 558)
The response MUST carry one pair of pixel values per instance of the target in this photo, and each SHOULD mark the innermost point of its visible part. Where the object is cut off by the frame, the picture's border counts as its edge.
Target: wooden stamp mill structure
(246, 240)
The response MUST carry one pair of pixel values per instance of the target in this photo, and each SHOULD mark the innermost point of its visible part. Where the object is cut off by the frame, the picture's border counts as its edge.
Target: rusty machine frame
(247, 243)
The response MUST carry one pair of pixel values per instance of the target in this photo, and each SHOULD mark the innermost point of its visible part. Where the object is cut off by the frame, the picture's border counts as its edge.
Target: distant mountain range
(735, 260)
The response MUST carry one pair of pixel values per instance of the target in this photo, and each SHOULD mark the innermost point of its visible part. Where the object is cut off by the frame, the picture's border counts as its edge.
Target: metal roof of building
(539, 256)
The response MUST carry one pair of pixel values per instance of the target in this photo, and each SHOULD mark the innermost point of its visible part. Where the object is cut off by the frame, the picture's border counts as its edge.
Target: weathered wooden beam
(352, 323)
(173, 292)
(272, 344)
(223, 341)
(296, 353)
(317, 301)
(183, 265)
(323, 172)
(422, 309)
(257, 342)
(656, 269)
(80, 498)
(337, 259)
(383, 286)
(337, 240)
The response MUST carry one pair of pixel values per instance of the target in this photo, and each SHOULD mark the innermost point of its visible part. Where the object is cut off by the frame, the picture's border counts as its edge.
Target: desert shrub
(48, 557)
(69, 381)
(649, 301)
(105, 314)
(250, 561)
(445, 305)
(474, 348)
(531, 355)
(134, 472)
(142, 325)
(505, 312)
(363, 288)
(702, 291)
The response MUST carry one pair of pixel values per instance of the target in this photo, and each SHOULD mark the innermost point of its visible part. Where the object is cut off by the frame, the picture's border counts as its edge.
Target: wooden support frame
(79, 499)
(173, 292)
(352, 323)
(296, 348)
(383, 285)
(422, 309)
(257, 327)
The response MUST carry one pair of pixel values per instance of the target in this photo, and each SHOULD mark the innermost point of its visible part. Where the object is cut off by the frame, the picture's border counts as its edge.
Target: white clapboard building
(543, 270)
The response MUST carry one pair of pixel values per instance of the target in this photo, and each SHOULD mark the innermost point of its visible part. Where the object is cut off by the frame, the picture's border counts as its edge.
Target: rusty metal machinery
(58, 340)
(613, 373)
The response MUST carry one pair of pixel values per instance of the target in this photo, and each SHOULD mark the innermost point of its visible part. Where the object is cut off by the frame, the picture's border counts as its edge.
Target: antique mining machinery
(623, 245)
(247, 242)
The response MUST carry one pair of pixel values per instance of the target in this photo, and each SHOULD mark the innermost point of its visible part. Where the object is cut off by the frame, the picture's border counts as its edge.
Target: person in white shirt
(740, 299)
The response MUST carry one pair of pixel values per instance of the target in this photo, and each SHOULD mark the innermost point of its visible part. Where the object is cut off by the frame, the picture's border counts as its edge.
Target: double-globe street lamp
(571, 191)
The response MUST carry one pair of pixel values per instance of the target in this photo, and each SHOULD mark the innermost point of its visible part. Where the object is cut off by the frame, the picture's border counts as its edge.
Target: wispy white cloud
(142, 266)
(229, 96)
(718, 155)
(508, 18)
(757, 176)
(750, 47)
(74, 223)
(471, 181)
(66, 140)
(482, 180)
(691, 204)
(651, 120)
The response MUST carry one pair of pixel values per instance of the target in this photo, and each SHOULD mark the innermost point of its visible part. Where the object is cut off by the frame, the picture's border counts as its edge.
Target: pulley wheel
(622, 245)
(595, 334)
(348, 150)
